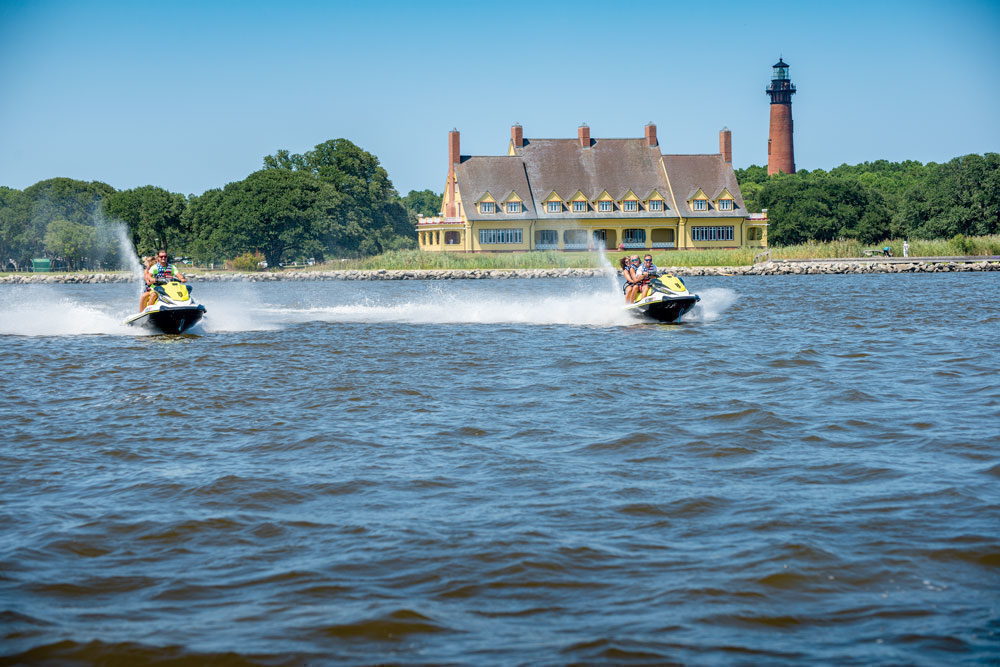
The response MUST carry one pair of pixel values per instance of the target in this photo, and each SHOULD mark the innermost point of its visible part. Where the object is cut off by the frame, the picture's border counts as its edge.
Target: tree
(200, 218)
(422, 202)
(153, 216)
(16, 243)
(70, 241)
(65, 199)
(360, 218)
(62, 199)
(959, 197)
(817, 206)
(274, 211)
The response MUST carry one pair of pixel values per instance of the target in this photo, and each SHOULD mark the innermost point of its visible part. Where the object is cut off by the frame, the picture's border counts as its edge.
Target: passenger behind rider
(630, 271)
(161, 271)
(147, 261)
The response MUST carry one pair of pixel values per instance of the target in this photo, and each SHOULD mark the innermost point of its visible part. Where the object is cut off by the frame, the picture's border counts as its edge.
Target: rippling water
(501, 472)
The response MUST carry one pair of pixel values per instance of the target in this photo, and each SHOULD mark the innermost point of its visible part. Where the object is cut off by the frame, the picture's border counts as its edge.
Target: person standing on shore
(906, 248)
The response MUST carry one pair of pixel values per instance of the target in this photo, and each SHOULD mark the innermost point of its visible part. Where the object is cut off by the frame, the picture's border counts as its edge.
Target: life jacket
(158, 270)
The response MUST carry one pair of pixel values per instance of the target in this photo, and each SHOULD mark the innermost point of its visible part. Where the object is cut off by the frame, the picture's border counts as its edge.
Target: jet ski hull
(667, 309)
(168, 319)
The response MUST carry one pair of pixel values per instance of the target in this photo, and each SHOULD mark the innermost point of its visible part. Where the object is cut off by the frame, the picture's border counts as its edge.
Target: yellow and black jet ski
(172, 312)
(665, 299)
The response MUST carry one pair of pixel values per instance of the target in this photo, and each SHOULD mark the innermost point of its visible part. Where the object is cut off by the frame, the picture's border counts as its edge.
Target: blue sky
(191, 95)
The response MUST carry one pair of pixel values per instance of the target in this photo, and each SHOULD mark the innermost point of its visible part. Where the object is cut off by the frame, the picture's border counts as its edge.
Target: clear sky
(191, 95)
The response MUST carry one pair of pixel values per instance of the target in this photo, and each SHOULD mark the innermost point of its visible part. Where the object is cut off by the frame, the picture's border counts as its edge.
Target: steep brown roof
(498, 175)
(688, 173)
(615, 165)
(543, 166)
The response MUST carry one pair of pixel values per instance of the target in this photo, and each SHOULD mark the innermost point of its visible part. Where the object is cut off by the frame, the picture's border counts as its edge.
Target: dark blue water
(500, 472)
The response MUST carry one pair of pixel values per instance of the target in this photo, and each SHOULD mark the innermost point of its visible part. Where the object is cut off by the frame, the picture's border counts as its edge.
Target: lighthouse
(780, 150)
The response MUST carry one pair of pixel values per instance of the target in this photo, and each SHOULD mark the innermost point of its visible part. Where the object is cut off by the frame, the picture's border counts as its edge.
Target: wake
(26, 314)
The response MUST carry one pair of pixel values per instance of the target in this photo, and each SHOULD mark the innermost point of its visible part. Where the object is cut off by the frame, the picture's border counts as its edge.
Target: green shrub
(248, 261)
(962, 245)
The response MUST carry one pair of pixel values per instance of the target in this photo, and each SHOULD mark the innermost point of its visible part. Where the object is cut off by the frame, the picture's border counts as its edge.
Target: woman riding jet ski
(167, 305)
(660, 296)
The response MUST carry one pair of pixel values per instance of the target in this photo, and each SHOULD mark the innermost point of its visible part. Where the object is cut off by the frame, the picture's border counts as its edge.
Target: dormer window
(605, 206)
(554, 207)
(630, 205)
(579, 207)
(725, 204)
(655, 205)
(487, 207)
(700, 205)
(513, 207)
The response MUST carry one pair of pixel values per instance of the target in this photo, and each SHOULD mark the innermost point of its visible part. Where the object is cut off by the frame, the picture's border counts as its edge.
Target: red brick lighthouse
(780, 151)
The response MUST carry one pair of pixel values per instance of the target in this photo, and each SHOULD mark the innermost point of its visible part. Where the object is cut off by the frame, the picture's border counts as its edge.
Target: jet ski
(173, 311)
(666, 299)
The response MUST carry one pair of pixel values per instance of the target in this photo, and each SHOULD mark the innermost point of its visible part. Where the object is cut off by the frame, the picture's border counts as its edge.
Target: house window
(487, 207)
(604, 206)
(495, 236)
(554, 207)
(725, 204)
(700, 205)
(634, 237)
(547, 238)
(452, 238)
(579, 207)
(513, 207)
(712, 233)
(631, 205)
(655, 205)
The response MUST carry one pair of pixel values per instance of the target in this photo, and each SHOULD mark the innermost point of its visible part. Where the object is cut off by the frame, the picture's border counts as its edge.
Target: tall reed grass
(840, 249)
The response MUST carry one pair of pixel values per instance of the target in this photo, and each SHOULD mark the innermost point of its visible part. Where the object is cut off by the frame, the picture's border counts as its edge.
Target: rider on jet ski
(644, 273)
(160, 271)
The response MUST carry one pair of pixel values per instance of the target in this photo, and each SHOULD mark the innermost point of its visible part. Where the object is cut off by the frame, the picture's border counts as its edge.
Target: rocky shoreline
(789, 267)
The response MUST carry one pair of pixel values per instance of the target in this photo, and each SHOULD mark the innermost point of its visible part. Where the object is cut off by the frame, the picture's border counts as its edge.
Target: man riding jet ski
(166, 305)
(660, 296)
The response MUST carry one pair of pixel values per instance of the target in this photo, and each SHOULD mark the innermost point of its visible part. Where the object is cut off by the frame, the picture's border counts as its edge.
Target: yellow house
(583, 193)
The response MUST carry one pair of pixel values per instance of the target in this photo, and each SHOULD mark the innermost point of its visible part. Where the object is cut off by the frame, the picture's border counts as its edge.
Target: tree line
(335, 200)
(878, 200)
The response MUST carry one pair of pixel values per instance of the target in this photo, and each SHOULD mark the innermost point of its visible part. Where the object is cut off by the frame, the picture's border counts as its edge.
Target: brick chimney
(454, 155)
(583, 134)
(517, 135)
(726, 145)
(651, 135)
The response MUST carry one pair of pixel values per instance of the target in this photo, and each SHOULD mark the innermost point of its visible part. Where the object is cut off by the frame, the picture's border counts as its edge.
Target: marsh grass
(840, 249)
